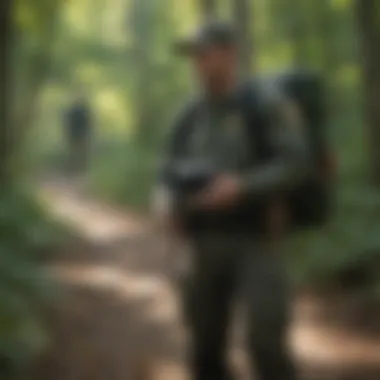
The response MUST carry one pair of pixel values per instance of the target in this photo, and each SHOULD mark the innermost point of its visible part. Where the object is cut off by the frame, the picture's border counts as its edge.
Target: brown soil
(116, 317)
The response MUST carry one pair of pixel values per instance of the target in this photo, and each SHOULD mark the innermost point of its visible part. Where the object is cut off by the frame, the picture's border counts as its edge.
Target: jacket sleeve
(164, 200)
(291, 161)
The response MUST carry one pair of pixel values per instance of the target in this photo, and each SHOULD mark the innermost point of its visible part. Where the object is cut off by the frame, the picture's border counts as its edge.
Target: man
(238, 215)
(78, 132)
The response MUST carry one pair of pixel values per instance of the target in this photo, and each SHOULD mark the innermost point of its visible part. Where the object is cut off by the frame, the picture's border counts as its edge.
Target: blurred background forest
(119, 53)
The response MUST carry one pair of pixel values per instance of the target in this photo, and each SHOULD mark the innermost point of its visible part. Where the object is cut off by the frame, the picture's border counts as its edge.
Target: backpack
(310, 203)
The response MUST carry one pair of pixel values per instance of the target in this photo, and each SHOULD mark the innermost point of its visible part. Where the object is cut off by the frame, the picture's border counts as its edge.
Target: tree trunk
(368, 16)
(298, 34)
(209, 9)
(325, 28)
(142, 25)
(329, 54)
(5, 35)
(23, 116)
(242, 17)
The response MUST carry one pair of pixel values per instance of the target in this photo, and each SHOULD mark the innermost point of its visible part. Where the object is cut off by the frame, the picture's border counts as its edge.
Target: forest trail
(117, 317)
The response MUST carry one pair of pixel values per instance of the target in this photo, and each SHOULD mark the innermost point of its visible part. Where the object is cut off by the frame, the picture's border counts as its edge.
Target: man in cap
(237, 215)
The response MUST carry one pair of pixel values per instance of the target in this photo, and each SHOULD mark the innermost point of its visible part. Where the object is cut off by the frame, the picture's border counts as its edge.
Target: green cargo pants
(228, 269)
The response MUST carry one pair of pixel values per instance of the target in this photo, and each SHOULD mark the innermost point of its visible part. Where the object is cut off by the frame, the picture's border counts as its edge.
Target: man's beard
(217, 83)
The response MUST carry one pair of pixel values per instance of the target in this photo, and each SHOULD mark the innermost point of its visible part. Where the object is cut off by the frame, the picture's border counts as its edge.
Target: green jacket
(216, 131)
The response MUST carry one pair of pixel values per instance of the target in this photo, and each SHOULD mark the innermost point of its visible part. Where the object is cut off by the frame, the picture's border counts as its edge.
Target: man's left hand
(223, 192)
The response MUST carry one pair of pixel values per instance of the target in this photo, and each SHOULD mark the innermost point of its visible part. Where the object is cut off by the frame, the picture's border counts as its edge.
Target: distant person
(78, 133)
(232, 153)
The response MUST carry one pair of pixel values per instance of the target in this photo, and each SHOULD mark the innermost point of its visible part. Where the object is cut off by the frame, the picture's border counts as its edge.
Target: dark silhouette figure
(78, 131)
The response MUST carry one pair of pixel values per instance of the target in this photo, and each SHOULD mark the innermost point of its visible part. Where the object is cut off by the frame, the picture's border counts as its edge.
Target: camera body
(188, 177)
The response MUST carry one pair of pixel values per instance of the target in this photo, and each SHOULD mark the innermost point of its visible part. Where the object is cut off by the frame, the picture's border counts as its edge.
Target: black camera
(189, 177)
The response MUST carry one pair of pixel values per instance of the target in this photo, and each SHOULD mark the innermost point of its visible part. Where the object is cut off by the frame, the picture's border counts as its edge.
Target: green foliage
(32, 17)
(120, 51)
(349, 239)
(126, 176)
(25, 232)
(25, 235)
(352, 236)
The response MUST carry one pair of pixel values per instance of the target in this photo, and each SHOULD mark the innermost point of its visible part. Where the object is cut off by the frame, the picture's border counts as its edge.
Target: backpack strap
(254, 100)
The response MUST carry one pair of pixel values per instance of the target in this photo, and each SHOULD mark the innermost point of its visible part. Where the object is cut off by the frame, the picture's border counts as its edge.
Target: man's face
(214, 64)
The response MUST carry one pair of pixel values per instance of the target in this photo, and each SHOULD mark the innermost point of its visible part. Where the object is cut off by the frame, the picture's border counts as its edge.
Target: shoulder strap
(252, 99)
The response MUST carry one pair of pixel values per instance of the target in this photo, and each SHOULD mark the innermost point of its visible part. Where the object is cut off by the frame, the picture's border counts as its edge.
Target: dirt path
(117, 317)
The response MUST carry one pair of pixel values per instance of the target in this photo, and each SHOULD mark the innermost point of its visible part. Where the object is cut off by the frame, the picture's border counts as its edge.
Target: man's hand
(224, 192)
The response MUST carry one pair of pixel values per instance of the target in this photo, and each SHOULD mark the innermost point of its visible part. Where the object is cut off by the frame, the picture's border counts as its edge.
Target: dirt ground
(117, 316)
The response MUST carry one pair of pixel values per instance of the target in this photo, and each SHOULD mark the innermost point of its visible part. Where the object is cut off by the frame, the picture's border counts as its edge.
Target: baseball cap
(214, 33)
